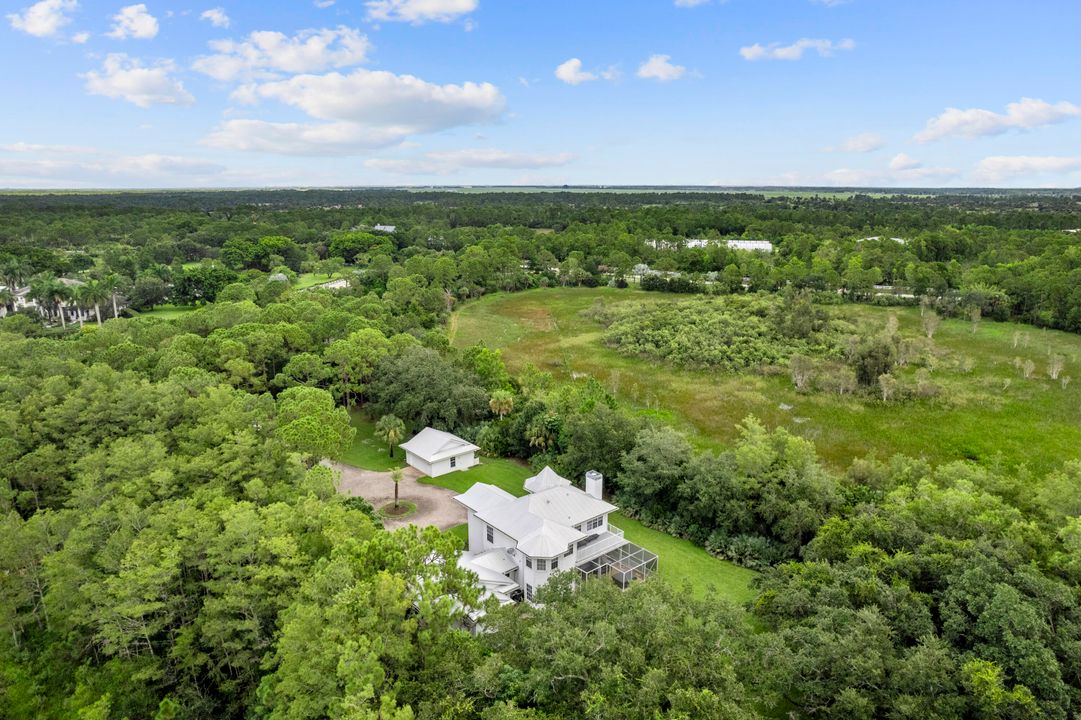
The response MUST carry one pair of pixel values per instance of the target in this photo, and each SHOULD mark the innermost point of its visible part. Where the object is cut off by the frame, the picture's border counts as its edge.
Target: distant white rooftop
(754, 245)
(385, 228)
(431, 445)
(900, 241)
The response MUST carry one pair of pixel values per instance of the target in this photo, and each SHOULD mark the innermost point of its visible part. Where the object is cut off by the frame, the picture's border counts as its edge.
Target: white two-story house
(517, 543)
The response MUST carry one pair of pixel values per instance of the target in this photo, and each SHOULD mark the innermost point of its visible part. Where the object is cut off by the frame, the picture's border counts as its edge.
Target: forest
(175, 368)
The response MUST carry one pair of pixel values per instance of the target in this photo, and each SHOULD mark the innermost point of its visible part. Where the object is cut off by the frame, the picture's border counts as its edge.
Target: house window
(568, 553)
(529, 563)
(489, 533)
(594, 523)
(542, 564)
(454, 462)
(555, 564)
(528, 592)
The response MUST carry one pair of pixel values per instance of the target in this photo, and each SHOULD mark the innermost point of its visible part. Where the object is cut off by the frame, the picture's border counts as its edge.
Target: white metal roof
(496, 560)
(483, 496)
(545, 519)
(546, 478)
(431, 445)
(549, 540)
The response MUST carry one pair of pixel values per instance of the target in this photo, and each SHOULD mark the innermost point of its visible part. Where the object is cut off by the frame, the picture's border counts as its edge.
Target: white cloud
(862, 143)
(571, 72)
(1005, 167)
(363, 110)
(216, 17)
(903, 172)
(134, 21)
(419, 11)
(321, 4)
(1023, 115)
(264, 53)
(795, 51)
(97, 169)
(80, 38)
(901, 161)
(658, 67)
(449, 162)
(690, 3)
(22, 147)
(381, 98)
(318, 139)
(126, 78)
(43, 19)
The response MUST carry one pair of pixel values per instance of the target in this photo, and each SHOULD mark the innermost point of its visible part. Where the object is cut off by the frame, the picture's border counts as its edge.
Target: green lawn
(506, 474)
(369, 452)
(307, 280)
(988, 414)
(680, 561)
(168, 311)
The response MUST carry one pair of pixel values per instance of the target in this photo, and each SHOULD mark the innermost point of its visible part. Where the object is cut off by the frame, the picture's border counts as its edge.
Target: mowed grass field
(989, 414)
(168, 311)
(681, 562)
(367, 451)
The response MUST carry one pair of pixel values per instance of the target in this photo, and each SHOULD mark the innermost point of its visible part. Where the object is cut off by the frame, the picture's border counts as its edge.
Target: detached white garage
(436, 453)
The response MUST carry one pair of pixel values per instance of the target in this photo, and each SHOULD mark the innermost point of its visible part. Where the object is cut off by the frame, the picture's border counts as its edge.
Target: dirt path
(434, 504)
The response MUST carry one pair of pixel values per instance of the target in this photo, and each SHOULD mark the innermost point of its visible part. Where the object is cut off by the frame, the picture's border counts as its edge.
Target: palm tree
(111, 282)
(77, 295)
(390, 429)
(49, 293)
(396, 476)
(7, 298)
(94, 293)
(502, 403)
(14, 272)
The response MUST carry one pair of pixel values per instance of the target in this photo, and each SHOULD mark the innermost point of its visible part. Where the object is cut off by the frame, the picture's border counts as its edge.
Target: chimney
(595, 484)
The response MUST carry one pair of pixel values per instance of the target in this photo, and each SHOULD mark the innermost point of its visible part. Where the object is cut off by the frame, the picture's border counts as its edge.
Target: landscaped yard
(680, 561)
(168, 311)
(988, 414)
(369, 452)
(307, 280)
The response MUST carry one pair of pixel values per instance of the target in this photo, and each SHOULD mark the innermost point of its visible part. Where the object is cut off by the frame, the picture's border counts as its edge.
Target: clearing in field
(986, 411)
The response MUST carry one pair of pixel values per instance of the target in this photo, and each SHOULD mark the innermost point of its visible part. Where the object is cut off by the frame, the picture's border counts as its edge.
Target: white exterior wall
(476, 531)
(420, 464)
(441, 467)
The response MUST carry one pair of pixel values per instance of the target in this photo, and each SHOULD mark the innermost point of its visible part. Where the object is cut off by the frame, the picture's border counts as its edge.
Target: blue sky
(418, 92)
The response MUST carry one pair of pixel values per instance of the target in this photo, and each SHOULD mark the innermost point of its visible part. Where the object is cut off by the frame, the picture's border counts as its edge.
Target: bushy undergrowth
(729, 333)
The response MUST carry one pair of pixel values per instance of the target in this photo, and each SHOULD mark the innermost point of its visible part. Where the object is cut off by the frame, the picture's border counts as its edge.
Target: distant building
(752, 245)
(899, 241)
(436, 453)
(385, 228)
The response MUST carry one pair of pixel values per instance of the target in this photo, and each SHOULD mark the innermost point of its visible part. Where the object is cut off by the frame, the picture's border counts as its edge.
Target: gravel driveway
(434, 504)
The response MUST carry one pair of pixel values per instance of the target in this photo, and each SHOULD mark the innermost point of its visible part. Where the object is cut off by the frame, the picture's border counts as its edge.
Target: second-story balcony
(610, 539)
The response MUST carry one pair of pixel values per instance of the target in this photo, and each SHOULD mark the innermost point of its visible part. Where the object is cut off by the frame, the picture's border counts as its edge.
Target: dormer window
(594, 523)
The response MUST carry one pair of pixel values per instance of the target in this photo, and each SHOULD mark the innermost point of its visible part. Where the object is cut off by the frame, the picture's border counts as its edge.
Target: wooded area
(175, 549)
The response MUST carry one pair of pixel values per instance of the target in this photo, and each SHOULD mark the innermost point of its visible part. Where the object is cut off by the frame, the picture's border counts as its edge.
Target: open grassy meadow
(986, 412)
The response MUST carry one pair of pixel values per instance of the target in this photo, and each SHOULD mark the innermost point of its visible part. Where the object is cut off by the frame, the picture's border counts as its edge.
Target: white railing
(609, 540)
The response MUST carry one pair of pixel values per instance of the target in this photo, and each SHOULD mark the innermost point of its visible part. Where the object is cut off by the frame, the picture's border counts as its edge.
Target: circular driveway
(435, 505)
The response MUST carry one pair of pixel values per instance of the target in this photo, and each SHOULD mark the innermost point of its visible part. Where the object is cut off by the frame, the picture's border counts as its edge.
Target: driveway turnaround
(434, 504)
